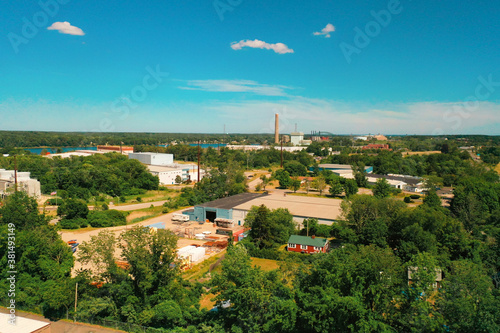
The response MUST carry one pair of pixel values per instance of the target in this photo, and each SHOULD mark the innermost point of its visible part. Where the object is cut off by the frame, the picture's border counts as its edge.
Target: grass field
(265, 264)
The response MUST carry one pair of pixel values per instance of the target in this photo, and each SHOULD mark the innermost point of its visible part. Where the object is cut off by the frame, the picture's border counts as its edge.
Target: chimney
(313, 236)
(276, 128)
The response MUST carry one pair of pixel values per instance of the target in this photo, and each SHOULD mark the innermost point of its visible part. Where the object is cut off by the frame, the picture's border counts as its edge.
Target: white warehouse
(165, 174)
(153, 158)
(24, 183)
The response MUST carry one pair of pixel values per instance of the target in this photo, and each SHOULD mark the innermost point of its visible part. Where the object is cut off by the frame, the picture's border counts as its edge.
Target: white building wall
(168, 177)
(153, 158)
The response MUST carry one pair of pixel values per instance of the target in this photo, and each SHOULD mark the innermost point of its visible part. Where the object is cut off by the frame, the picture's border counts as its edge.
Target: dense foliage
(82, 177)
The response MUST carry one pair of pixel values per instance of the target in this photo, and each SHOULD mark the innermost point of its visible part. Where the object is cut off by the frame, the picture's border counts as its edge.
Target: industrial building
(153, 158)
(342, 170)
(166, 175)
(402, 182)
(24, 183)
(236, 207)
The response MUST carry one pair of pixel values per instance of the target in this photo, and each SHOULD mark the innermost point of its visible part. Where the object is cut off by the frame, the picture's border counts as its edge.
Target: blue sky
(393, 67)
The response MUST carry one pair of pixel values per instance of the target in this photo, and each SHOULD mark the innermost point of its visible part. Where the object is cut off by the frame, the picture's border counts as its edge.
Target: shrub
(122, 199)
(415, 196)
(165, 211)
(73, 223)
(139, 199)
(107, 218)
(54, 202)
(407, 199)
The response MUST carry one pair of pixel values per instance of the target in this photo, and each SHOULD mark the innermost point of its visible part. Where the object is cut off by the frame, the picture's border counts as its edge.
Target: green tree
(319, 183)
(72, 209)
(336, 187)
(256, 301)
(294, 184)
(265, 181)
(283, 177)
(98, 255)
(468, 303)
(178, 179)
(350, 187)
(432, 199)
(269, 228)
(295, 168)
(414, 311)
(381, 189)
(150, 256)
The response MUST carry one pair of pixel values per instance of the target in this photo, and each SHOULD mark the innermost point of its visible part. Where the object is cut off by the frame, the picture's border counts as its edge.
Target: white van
(180, 218)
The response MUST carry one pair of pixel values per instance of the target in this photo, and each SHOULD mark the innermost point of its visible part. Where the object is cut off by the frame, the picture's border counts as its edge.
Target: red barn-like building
(305, 244)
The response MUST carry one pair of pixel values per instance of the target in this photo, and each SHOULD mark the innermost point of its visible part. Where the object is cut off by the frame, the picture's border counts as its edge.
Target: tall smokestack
(276, 128)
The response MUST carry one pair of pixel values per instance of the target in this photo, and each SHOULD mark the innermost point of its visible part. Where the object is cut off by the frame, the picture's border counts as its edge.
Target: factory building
(296, 138)
(237, 207)
(166, 175)
(24, 183)
(153, 158)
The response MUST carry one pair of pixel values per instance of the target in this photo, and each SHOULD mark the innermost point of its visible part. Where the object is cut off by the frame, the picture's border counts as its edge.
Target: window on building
(292, 246)
(303, 247)
(317, 248)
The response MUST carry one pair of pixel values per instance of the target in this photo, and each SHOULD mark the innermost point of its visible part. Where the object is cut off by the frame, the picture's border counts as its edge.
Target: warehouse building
(166, 175)
(236, 207)
(342, 170)
(24, 183)
(153, 158)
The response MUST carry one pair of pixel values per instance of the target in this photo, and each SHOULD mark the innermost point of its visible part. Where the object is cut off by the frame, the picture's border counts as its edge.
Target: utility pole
(281, 151)
(15, 173)
(76, 298)
(199, 160)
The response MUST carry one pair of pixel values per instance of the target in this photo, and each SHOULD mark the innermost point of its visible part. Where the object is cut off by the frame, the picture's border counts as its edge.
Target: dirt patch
(206, 302)
(421, 152)
(134, 215)
(497, 168)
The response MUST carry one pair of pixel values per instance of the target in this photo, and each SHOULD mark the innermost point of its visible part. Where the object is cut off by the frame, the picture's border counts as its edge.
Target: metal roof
(305, 240)
(232, 201)
(23, 325)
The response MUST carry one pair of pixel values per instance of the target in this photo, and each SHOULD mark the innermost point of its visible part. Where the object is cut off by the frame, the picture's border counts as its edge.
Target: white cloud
(258, 44)
(66, 28)
(236, 86)
(325, 31)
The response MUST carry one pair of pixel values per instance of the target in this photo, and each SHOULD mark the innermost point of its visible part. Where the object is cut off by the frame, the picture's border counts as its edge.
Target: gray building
(153, 158)
(220, 208)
